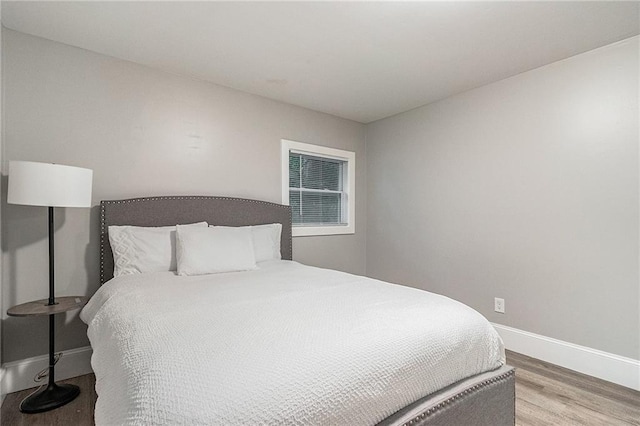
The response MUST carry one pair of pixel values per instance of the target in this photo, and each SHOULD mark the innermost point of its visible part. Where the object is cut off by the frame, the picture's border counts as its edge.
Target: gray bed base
(487, 399)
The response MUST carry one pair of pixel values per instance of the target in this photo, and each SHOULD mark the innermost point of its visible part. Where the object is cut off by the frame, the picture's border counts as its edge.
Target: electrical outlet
(498, 305)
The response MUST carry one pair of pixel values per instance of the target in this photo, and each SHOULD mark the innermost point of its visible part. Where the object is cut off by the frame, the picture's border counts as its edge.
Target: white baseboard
(603, 365)
(2, 393)
(18, 375)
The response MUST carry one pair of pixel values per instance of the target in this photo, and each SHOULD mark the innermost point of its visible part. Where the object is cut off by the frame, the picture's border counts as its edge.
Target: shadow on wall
(92, 254)
(22, 227)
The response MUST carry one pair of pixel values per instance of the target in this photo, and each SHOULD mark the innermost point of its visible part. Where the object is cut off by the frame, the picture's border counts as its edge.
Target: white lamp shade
(46, 184)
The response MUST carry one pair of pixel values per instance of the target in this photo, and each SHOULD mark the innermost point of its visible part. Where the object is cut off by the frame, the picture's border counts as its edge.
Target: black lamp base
(53, 396)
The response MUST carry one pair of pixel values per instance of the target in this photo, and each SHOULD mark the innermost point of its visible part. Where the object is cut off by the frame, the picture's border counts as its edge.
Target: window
(319, 185)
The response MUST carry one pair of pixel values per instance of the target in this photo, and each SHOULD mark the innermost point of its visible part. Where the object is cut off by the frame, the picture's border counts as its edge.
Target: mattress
(284, 344)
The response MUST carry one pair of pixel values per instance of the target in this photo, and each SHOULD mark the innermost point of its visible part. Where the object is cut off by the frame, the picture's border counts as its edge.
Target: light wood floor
(550, 395)
(545, 395)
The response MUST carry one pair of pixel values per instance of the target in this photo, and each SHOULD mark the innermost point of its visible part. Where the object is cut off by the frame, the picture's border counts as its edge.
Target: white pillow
(212, 250)
(142, 249)
(266, 240)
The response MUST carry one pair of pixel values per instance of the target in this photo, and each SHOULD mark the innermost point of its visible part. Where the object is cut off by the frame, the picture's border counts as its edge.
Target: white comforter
(285, 344)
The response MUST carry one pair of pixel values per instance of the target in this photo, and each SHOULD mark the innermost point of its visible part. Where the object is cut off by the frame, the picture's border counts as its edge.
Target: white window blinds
(316, 190)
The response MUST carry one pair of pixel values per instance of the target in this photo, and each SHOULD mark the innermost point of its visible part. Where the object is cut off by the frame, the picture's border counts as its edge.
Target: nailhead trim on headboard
(103, 230)
(102, 236)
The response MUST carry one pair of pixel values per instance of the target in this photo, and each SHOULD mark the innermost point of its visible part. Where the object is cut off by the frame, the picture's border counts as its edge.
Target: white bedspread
(285, 344)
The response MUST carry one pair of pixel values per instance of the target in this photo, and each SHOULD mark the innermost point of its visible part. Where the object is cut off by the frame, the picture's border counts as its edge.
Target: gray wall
(143, 132)
(526, 189)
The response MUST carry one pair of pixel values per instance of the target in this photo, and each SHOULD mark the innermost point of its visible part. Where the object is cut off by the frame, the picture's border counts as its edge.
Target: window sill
(309, 231)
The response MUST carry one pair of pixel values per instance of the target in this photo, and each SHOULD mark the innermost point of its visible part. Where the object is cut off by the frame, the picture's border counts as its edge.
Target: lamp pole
(52, 301)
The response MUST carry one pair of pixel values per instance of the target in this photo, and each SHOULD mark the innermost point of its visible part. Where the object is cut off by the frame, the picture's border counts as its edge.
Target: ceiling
(359, 60)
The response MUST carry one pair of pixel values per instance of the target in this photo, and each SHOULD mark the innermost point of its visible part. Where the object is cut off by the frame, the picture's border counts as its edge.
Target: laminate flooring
(550, 395)
(545, 395)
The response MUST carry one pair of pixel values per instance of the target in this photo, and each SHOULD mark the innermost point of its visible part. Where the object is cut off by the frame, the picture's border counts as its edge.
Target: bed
(285, 343)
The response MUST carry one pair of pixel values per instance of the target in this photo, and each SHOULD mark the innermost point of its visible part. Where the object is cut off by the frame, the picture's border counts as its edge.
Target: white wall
(143, 132)
(525, 189)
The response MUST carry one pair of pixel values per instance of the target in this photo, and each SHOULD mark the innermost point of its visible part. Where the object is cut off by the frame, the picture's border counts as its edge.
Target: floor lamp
(50, 185)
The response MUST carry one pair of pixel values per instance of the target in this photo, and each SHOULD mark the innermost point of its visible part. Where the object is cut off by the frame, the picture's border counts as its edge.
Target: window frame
(349, 186)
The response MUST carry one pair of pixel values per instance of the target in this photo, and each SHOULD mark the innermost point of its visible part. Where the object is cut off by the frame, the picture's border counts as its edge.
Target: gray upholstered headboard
(168, 211)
